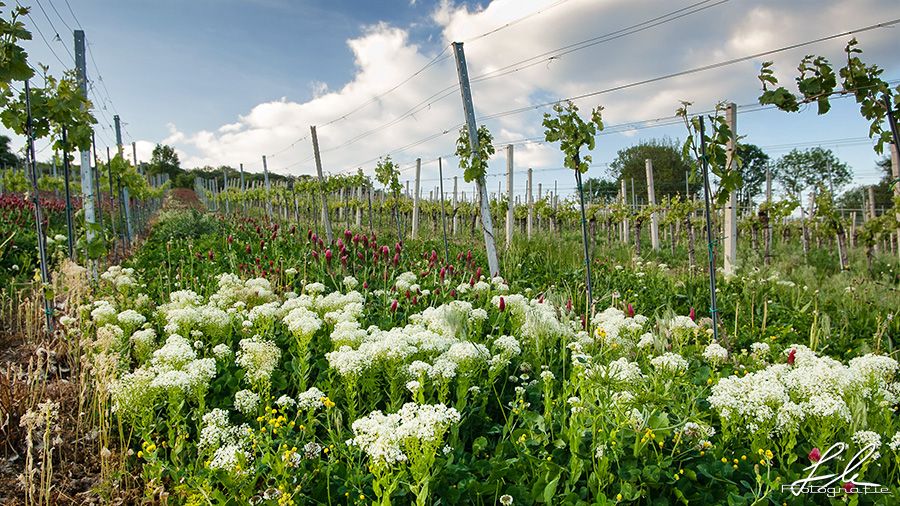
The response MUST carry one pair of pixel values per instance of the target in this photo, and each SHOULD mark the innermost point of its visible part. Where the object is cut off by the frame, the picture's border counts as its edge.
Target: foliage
(726, 167)
(474, 163)
(670, 168)
(817, 82)
(573, 133)
(800, 169)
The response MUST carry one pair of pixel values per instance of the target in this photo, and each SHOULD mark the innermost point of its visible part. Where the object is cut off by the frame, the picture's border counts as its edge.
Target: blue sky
(226, 81)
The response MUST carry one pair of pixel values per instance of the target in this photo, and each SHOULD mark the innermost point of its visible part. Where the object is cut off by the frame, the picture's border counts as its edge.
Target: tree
(573, 135)
(856, 197)
(799, 170)
(753, 172)
(600, 190)
(165, 161)
(7, 157)
(669, 168)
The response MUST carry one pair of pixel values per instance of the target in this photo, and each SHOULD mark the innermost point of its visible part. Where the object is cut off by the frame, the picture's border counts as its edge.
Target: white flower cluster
(246, 401)
(119, 277)
(258, 357)
(404, 281)
(185, 312)
(669, 362)
(613, 326)
(759, 350)
(173, 369)
(534, 321)
(104, 312)
(311, 399)
(715, 353)
(232, 290)
(778, 398)
(302, 322)
(389, 439)
(865, 439)
(131, 319)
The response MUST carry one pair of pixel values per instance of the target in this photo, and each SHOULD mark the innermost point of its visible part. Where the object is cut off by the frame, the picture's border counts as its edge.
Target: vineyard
(222, 336)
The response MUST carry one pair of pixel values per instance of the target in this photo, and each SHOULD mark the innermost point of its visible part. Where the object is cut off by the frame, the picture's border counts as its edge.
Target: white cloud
(384, 55)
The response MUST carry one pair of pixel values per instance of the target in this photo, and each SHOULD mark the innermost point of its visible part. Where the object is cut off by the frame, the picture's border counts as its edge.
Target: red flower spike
(328, 255)
(502, 305)
(692, 315)
(815, 455)
(394, 304)
(630, 310)
(792, 356)
(849, 486)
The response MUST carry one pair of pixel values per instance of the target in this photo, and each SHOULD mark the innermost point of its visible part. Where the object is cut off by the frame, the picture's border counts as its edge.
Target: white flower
(895, 442)
(669, 362)
(867, 438)
(404, 281)
(350, 282)
(715, 353)
(258, 357)
(311, 399)
(246, 401)
(131, 318)
(314, 288)
(222, 351)
(388, 438)
(302, 322)
(759, 350)
(413, 386)
(646, 340)
(506, 499)
(285, 402)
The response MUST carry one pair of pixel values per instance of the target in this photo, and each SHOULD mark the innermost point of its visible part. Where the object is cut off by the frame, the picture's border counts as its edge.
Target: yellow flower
(681, 471)
(743, 457)
(618, 497)
(769, 454)
(140, 454)
(724, 460)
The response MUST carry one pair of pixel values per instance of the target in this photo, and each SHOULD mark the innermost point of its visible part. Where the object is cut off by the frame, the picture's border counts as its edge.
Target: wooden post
(269, 188)
(510, 215)
(895, 172)
(625, 231)
(731, 206)
(415, 216)
(651, 199)
(530, 203)
(455, 203)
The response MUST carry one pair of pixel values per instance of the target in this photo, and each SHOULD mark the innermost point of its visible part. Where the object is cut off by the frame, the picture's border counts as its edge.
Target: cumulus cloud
(385, 54)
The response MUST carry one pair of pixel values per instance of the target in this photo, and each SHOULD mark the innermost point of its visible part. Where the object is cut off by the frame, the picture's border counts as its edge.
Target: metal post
(38, 218)
(709, 234)
(124, 195)
(70, 227)
(327, 219)
(895, 173)
(486, 223)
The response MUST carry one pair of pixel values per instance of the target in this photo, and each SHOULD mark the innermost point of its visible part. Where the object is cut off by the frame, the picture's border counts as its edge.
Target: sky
(228, 81)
